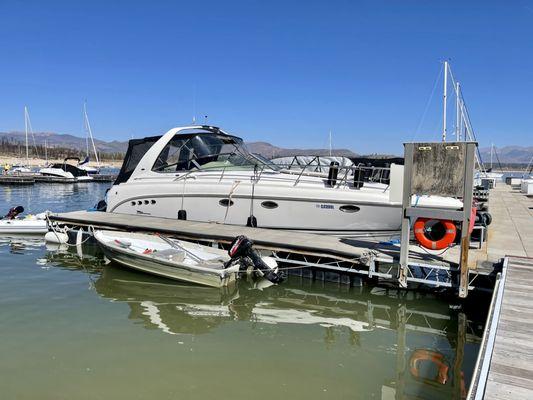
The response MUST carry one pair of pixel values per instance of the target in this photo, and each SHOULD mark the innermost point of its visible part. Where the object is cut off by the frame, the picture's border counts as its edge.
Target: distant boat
(27, 126)
(84, 165)
(66, 170)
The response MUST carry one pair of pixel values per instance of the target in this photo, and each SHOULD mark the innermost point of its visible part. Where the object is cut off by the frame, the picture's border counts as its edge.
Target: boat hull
(167, 269)
(20, 226)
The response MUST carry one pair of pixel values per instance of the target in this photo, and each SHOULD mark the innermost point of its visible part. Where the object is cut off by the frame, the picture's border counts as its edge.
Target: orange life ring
(421, 234)
(433, 357)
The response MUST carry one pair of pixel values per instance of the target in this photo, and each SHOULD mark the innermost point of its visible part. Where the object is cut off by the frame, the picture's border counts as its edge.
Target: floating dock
(505, 364)
(318, 256)
(30, 179)
(17, 180)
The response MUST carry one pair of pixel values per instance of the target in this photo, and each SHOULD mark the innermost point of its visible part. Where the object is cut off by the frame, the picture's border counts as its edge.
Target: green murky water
(74, 328)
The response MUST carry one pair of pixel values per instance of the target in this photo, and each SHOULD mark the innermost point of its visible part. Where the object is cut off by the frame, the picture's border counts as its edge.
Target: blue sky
(286, 72)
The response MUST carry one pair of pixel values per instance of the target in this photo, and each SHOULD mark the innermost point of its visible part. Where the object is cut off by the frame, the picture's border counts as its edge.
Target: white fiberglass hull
(23, 226)
(276, 203)
(59, 173)
(146, 253)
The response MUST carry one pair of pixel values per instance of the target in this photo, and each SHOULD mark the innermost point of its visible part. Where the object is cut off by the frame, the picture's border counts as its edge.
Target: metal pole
(26, 130)
(461, 120)
(406, 222)
(457, 116)
(90, 134)
(445, 97)
(467, 208)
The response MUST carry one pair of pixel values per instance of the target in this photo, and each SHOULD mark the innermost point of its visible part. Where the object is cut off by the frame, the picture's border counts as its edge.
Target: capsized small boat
(169, 258)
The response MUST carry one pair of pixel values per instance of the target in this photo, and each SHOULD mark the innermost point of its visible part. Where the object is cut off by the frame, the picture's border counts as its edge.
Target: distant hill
(65, 140)
(270, 151)
(77, 143)
(508, 154)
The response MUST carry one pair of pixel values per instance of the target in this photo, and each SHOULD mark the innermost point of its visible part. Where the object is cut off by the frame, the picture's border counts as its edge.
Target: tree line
(18, 149)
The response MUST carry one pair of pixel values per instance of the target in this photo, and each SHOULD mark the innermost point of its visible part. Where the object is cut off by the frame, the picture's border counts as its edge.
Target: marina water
(75, 328)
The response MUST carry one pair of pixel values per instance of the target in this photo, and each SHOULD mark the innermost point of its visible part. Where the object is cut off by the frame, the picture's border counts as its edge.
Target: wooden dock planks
(266, 238)
(511, 366)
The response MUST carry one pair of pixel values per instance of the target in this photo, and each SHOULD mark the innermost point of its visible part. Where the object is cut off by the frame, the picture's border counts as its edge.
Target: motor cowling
(242, 247)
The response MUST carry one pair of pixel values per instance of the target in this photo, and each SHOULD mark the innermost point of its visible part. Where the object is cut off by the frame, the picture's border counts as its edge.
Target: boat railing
(353, 176)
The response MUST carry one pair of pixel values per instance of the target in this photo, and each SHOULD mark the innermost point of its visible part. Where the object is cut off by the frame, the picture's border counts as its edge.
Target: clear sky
(285, 72)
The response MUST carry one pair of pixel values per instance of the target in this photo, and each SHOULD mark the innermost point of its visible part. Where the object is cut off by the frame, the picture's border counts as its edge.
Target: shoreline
(41, 162)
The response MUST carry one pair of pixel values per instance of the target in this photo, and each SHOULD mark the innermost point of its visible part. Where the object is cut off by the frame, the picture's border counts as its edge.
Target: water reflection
(20, 244)
(433, 370)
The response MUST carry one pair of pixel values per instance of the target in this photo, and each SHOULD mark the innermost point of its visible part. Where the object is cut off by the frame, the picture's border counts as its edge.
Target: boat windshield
(207, 151)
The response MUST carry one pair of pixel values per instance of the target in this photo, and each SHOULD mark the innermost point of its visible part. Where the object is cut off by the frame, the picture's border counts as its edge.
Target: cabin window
(203, 152)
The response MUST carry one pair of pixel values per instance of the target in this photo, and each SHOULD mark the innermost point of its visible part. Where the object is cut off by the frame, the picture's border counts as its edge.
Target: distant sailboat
(27, 125)
(84, 165)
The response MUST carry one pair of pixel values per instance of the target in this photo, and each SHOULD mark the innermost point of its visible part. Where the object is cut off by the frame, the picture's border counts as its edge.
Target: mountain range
(507, 154)
(74, 142)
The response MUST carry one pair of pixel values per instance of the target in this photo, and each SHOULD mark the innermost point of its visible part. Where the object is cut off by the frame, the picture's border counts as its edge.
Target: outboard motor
(14, 212)
(242, 248)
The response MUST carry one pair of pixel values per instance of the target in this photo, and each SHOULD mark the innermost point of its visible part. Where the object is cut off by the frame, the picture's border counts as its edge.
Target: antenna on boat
(330, 143)
(194, 105)
(444, 98)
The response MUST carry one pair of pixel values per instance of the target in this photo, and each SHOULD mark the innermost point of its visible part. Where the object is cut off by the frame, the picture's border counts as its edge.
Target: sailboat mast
(90, 132)
(457, 111)
(444, 98)
(330, 143)
(26, 130)
(491, 151)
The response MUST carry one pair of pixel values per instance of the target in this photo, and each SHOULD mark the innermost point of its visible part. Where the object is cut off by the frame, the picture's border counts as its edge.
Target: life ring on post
(434, 234)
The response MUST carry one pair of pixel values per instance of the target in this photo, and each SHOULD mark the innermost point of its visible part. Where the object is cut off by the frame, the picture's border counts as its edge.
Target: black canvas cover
(137, 148)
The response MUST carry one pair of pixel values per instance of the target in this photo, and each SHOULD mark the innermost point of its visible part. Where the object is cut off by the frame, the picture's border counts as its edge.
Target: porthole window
(146, 202)
(269, 204)
(225, 202)
(139, 203)
(153, 202)
(133, 203)
(349, 208)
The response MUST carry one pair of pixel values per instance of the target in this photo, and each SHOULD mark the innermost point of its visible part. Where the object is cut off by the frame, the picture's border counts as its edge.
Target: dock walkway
(280, 240)
(505, 365)
(511, 368)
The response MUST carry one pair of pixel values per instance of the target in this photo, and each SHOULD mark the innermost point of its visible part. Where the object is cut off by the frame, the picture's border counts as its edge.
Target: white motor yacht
(201, 173)
(66, 170)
